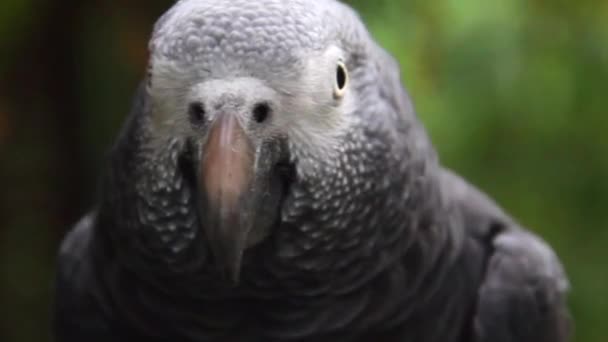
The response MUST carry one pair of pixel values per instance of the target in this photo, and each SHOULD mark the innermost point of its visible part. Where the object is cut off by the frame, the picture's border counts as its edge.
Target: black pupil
(197, 112)
(341, 77)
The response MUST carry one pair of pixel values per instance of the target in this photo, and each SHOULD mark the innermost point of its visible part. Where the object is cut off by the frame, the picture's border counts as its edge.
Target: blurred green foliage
(513, 93)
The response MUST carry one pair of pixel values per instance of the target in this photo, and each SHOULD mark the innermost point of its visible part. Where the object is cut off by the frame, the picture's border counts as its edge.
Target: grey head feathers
(291, 47)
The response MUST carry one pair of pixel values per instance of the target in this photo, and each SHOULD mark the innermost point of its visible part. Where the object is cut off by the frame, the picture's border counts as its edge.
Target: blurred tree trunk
(43, 165)
(45, 76)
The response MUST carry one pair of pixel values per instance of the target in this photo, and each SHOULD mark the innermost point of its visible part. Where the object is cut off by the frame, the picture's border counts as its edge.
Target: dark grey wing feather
(76, 313)
(522, 295)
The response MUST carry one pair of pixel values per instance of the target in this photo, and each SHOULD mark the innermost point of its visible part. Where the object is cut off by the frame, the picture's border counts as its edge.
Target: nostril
(196, 111)
(261, 111)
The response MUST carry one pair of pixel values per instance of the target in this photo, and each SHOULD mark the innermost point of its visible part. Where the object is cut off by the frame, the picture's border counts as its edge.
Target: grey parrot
(273, 183)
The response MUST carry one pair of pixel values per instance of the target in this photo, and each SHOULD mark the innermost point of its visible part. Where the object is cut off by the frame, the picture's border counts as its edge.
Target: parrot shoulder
(76, 313)
(522, 295)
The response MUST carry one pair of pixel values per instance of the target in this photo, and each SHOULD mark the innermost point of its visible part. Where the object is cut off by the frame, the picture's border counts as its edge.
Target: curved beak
(235, 177)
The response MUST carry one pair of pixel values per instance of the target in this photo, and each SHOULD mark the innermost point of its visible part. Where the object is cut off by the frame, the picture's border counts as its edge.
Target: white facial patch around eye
(317, 119)
(169, 91)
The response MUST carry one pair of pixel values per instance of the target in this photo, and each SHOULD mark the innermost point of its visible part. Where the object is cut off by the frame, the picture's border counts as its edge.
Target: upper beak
(235, 179)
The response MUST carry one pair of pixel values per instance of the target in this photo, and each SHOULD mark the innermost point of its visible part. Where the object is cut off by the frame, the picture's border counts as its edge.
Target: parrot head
(289, 116)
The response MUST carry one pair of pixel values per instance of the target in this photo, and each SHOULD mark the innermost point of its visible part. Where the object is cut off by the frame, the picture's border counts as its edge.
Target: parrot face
(261, 99)
(269, 132)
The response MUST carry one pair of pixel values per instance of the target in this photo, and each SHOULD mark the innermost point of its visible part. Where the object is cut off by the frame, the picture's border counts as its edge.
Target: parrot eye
(341, 81)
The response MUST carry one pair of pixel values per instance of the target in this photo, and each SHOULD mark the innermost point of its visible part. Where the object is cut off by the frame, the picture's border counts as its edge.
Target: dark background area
(513, 93)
